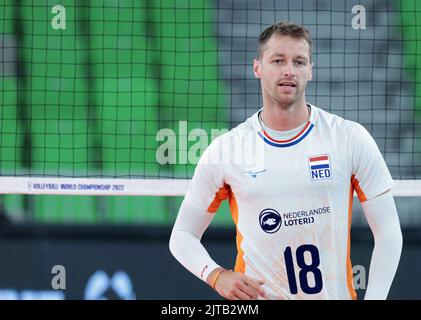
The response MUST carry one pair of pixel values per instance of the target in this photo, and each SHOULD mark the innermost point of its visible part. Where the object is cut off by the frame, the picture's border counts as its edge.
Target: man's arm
(383, 220)
(186, 247)
(185, 243)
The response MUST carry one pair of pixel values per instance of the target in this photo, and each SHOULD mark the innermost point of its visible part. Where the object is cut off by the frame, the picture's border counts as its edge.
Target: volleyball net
(122, 97)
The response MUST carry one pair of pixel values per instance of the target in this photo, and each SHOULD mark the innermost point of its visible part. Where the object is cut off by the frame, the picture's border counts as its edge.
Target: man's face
(284, 68)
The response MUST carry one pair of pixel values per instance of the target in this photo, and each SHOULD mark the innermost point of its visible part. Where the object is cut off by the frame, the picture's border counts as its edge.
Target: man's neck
(285, 118)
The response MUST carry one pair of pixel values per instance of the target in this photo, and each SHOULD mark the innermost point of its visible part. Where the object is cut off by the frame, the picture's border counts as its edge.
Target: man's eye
(300, 63)
(277, 61)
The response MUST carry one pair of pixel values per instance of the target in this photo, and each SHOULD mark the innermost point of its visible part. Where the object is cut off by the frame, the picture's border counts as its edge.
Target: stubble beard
(286, 100)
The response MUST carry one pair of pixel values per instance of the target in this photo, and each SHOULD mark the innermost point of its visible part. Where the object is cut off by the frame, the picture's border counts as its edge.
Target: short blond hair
(284, 28)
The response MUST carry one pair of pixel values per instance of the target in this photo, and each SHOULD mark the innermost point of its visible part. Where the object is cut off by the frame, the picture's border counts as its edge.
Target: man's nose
(288, 69)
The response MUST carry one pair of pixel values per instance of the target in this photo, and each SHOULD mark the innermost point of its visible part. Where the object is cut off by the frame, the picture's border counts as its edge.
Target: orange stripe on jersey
(240, 265)
(221, 195)
(349, 273)
(360, 193)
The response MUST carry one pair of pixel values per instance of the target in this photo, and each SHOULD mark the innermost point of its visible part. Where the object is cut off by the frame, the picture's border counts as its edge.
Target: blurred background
(86, 86)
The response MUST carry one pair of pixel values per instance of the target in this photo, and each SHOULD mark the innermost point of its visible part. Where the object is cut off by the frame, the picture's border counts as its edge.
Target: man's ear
(256, 68)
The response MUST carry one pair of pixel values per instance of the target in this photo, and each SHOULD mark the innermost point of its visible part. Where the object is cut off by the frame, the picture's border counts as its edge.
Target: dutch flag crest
(320, 167)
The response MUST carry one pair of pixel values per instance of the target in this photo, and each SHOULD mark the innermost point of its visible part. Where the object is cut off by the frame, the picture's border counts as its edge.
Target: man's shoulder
(347, 131)
(333, 121)
(241, 130)
(239, 136)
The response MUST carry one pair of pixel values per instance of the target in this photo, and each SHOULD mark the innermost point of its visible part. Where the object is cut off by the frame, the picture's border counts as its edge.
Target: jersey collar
(290, 142)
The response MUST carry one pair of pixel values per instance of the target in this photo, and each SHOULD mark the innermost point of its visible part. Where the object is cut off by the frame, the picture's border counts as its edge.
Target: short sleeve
(208, 178)
(370, 175)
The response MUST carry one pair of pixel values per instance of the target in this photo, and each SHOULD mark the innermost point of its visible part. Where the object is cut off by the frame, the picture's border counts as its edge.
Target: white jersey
(291, 201)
